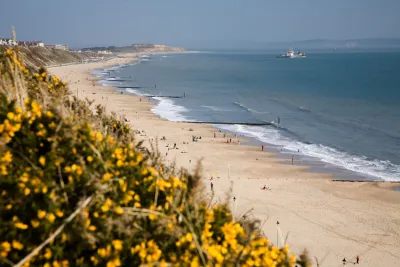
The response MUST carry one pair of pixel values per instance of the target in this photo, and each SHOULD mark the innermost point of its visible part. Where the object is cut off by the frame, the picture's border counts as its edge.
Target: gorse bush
(76, 190)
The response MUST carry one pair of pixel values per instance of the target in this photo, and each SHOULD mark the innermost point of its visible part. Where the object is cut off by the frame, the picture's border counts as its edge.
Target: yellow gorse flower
(41, 214)
(42, 160)
(17, 245)
(117, 244)
(118, 210)
(51, 217)
(21, 226)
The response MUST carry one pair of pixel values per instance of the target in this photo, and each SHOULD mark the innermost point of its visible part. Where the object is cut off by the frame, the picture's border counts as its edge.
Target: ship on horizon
(291, 54)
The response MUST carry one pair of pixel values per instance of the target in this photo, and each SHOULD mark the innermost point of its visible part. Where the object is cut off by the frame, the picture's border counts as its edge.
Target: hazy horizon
(236, 23)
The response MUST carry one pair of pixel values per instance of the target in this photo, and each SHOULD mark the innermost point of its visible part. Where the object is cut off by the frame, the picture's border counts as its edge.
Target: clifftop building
(8, 42)
(31, 43)
(57, 46)
(11, 42)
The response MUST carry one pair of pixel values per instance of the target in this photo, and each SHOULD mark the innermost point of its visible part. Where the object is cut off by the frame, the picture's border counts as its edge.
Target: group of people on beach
(196, 138)
(229, 141)
(357, 261)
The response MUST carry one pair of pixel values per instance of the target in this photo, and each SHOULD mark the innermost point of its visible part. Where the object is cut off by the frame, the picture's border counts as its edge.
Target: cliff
(42, 56)
(138, 48)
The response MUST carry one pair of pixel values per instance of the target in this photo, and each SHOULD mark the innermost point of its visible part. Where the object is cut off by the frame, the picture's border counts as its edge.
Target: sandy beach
(333, 220)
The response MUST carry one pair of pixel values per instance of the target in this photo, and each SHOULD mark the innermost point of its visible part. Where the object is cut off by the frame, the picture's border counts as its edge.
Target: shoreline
(330, 219)
(341, 164)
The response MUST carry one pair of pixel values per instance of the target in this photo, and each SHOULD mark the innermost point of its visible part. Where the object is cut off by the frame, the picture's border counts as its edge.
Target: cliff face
(41, 56)
(138, 48)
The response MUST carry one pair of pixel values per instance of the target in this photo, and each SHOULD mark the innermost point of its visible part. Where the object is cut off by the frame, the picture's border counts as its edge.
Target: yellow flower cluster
(15, 62)
(11, 124)
(148, 252)
(127, 210)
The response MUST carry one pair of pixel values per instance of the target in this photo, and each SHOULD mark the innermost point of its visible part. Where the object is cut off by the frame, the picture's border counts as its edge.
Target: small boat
(291, 54)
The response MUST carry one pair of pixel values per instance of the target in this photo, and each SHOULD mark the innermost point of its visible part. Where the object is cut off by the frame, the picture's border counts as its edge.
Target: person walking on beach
(262, 148)
(212, 186)
(292, 159)
(358, 259)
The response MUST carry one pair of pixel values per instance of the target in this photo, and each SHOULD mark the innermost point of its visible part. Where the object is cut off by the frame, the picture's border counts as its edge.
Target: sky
(197, 23)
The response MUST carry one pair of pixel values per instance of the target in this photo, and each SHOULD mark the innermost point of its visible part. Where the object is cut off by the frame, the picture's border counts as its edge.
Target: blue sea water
(341, 109)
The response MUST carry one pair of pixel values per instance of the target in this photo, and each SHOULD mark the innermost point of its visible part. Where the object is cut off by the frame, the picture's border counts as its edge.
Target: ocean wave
(113, 78)
(384, 170)
(305, 109)
(244, 107)
(289, 105)
(168, 110)
(135, 92)
(113, 68)
(215, 108)
(107, 83)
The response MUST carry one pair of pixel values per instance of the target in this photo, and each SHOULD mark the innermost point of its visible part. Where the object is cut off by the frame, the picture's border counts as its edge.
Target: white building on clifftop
(7, 42)
(57, 46)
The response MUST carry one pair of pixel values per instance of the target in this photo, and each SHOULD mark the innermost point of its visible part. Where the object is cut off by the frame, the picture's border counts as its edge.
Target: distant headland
(366, 43)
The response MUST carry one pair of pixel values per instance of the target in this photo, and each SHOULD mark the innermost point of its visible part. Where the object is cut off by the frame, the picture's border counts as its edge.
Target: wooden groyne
(231, 123)
(120, 80)
(149, 96)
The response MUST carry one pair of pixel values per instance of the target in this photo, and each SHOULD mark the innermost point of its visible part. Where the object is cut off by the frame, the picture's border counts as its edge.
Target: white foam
(216, 108)
(248, 109)
(384, 170)
(98, 73)
(107, 83)
(167, 110)
(113, 68)
(133, 91)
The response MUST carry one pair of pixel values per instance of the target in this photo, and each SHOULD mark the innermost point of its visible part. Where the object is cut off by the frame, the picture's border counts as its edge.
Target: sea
(339, 111)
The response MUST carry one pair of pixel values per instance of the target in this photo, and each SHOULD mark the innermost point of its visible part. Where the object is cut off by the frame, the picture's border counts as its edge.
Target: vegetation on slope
(77, 190)
(43, 56)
